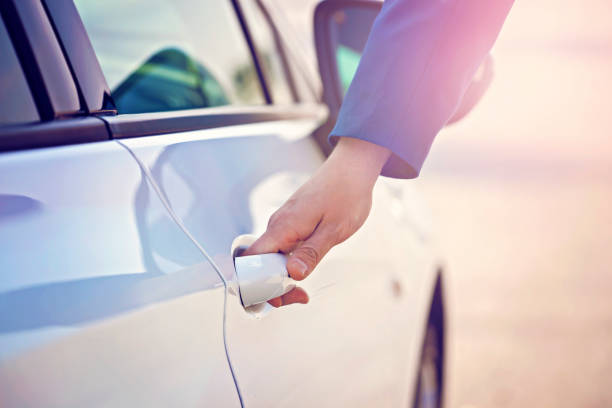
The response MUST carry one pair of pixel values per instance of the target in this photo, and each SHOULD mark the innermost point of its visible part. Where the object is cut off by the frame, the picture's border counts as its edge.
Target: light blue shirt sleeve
(418, 62)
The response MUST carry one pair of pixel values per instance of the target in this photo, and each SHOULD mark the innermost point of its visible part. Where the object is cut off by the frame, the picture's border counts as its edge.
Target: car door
(225, 160)
(202, 109)
(104, 300)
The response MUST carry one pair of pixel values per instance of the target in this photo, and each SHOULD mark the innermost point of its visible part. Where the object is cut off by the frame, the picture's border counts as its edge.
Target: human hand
(330, 207)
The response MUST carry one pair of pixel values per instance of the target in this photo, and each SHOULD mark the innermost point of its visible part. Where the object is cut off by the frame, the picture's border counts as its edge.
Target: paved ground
(521, 193)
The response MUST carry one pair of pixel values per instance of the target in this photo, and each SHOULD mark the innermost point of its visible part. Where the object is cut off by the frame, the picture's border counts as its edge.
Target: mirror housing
(341, 30)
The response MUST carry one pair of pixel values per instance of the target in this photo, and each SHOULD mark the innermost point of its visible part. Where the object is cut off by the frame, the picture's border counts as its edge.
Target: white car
(142, 142)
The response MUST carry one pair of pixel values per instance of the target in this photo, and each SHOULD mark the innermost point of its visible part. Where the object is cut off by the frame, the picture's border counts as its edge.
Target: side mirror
(341, 30)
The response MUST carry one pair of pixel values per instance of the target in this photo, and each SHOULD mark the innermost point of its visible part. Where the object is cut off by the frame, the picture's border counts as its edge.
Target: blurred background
(520, 193)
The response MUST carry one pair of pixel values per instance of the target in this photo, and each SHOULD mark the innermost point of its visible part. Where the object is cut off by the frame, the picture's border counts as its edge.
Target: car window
(295, 22)
(164, 55)
(271, 60)
(347, 60)
(16, 102)
(351, 28)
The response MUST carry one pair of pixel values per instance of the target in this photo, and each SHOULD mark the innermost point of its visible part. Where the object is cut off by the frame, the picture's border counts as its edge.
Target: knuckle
(333, 234)
(275, 219)
(280, 230)
(281, 218)
(309, 254)
(336, 234)
(284, 223)
(291, 202)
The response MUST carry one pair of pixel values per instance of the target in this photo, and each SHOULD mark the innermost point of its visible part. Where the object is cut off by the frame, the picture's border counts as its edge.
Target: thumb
(307, 256)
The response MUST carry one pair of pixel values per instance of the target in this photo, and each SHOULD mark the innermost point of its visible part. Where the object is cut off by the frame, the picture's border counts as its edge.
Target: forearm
(417, 64)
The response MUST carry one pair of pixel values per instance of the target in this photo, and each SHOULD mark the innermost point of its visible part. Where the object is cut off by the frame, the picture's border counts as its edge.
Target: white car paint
(108, 297)
(356, 343)
(104, 301)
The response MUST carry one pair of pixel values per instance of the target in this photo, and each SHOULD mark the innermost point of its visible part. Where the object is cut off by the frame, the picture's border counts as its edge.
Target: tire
(430, 373)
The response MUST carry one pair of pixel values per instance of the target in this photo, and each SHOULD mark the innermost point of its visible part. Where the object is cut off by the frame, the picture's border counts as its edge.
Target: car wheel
(428, 390)
(430, 373)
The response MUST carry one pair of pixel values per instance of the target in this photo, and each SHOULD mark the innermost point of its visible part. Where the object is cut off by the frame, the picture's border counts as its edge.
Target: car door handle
(262, 277)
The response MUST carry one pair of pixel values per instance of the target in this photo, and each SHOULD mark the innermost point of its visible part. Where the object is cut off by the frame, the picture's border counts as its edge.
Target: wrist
(360, 158)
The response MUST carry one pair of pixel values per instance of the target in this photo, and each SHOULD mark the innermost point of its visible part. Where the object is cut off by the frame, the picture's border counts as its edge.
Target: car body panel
(104, 297)
(370, 295)
(356, 343)
(109, 300)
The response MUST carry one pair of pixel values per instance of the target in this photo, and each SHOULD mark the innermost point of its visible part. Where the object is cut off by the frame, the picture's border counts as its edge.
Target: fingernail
(300, 266)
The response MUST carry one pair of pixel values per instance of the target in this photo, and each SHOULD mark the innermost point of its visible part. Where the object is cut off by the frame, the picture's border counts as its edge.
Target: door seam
(179, 223)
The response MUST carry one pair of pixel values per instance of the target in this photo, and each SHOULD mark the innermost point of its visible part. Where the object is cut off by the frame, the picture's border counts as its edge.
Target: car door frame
(98, 101)
(57, 97)
(95, 117)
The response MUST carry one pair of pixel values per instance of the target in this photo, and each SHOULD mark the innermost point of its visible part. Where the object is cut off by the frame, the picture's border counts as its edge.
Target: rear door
(104, 300)
(207, 106)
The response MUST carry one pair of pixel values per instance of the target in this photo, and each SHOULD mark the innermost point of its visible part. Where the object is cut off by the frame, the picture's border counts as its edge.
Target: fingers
(305, 257)
(289, 225)
(295, 295)
(273, 240)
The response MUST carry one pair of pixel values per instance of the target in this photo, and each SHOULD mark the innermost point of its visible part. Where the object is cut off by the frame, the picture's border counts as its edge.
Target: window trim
(160, 123)
(79, 130)
(36, 45)
(80, 56)
(41, 58)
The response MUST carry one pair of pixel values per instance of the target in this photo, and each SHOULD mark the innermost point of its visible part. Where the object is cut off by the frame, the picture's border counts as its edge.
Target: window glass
(347, 60)
(164, 55)
(351, 28)
(16, 102)
(295, 22)
(271, 61)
